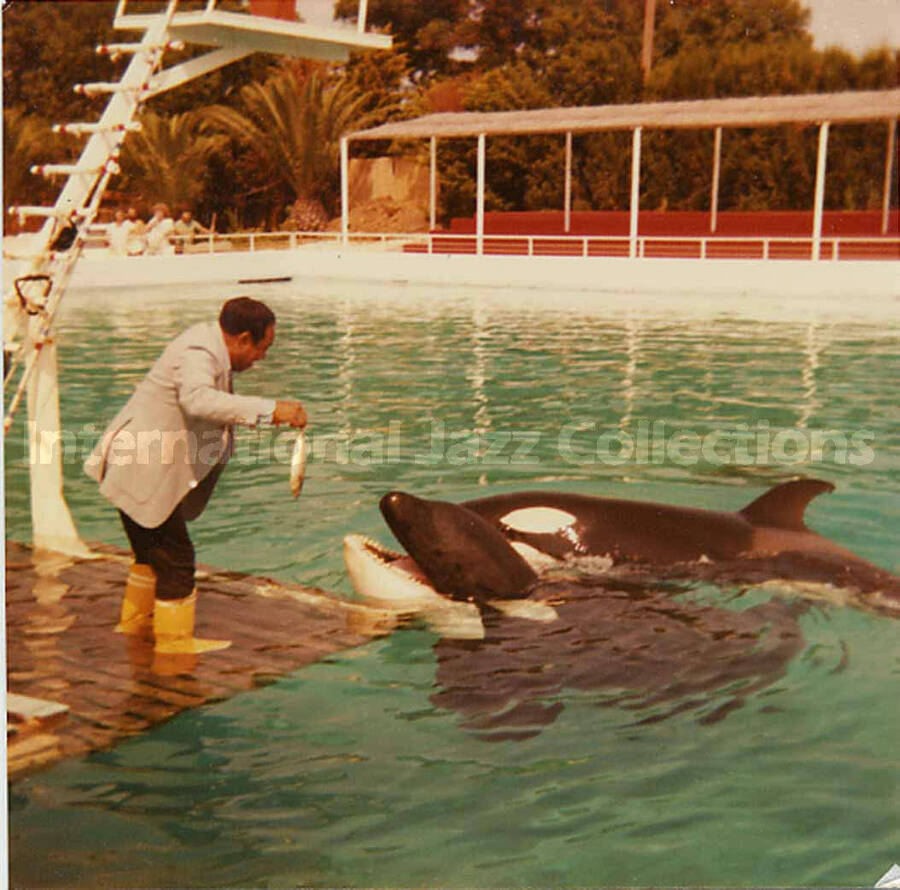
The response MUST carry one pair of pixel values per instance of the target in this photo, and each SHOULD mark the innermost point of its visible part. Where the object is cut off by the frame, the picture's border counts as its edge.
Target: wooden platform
(62, 650)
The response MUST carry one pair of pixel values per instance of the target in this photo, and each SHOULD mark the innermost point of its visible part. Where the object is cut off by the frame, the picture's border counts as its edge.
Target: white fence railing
(644, 246)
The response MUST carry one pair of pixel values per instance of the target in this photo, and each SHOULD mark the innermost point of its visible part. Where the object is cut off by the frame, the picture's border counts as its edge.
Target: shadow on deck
(77, 686)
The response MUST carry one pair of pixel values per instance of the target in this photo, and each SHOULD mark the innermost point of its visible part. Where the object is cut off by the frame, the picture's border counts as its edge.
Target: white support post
(361, 17)
(888, 175)
(53, 528)
(635, 190)
(432, 187)
(717, 169)
(819, 208)
(568, 201)
(345, 190)
(479, 208)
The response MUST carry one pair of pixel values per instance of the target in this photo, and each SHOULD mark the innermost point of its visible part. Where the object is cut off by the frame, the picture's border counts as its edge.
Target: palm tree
(168, 158)
(295, 130)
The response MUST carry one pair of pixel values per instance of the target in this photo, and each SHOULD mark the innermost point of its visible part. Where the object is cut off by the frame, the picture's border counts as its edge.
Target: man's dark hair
(246, 314)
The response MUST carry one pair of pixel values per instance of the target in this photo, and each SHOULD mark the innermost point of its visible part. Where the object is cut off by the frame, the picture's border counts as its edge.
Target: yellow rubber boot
(136, 617)
(173, 627)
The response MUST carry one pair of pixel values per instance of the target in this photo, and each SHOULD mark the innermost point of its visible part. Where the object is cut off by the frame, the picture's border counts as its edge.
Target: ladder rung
(114, 50)
(79, 129)
(118, 49)
(73, 169)
(33, 210)
(97, 89)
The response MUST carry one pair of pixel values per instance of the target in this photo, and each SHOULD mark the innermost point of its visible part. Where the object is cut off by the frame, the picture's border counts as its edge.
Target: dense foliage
(259, 137)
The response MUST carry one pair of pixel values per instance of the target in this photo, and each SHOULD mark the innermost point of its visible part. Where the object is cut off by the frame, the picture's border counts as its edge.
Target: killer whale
(488, 551)
(512, 641)
(768, 538)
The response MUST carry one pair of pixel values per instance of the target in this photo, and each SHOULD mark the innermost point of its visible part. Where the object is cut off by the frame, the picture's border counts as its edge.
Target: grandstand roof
(754, 111)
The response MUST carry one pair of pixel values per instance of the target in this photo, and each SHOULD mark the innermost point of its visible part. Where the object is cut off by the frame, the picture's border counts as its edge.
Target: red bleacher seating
(675, 234)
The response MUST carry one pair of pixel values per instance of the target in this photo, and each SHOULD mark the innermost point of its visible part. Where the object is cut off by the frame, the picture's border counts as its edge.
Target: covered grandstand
(811, 234)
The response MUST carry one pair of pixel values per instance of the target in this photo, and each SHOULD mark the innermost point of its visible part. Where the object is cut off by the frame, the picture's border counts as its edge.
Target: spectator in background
(136, 242)
(187, 228)
(159, 228)
(118, 233)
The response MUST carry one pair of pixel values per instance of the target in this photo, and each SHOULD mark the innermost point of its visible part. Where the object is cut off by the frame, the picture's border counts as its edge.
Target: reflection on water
(632, 351)
(358, 770)
(811, 352)
(637, 645)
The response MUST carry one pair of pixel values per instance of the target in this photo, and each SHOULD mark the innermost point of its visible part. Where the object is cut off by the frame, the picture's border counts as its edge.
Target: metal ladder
(58, 247)
(78, 202)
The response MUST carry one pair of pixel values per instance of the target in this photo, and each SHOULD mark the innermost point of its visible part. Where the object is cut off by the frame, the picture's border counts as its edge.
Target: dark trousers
(168, 550)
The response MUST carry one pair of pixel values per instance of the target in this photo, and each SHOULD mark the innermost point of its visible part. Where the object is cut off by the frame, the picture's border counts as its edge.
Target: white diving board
(258, 33)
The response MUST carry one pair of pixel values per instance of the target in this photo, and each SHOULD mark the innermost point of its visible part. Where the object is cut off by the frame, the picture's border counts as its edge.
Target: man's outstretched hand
(291, 412)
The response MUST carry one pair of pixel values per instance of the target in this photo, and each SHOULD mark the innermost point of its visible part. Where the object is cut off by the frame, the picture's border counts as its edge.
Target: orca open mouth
(384, 575)
(394, 580)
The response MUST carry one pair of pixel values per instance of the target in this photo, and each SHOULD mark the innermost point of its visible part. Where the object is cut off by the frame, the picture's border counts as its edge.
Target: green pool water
(346, 773)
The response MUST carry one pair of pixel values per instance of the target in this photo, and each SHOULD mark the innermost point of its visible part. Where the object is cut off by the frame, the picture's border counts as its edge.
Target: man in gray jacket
(162, 454)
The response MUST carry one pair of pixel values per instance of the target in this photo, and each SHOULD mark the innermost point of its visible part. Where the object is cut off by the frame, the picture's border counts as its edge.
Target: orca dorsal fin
(784, 505)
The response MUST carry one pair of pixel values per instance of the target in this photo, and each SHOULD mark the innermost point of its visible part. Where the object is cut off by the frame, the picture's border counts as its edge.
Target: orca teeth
(376, 550)
(386, 557)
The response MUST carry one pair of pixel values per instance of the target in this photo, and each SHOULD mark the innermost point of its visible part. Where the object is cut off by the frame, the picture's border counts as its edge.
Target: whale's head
(451, 554)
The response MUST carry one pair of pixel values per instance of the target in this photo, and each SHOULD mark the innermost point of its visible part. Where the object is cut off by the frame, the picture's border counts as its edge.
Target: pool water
(346, 773)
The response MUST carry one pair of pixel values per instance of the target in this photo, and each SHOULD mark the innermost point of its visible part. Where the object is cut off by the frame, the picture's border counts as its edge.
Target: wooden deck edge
(76, 687)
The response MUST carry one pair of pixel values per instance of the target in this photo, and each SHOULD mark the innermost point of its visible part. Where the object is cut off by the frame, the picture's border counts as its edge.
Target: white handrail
(529, 245)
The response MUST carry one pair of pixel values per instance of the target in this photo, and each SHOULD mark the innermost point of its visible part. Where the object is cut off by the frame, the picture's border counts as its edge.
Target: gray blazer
(174, 436)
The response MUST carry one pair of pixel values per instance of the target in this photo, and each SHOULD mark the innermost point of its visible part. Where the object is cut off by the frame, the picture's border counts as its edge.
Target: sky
(856, 25)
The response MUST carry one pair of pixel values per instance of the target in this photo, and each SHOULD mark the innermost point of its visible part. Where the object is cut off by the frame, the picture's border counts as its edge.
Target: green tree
(857, 151)
(167, 159)
(425, 30)
(499, 30)
(770, 168)
(294, 129)
(687, 24)
(382, 80)
(47, 49)
(27, 140)
(581, 54)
